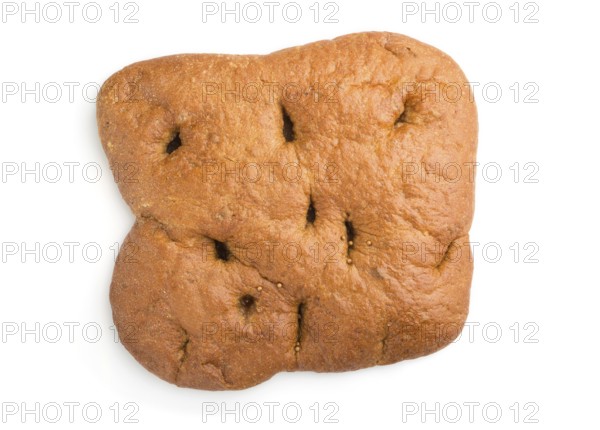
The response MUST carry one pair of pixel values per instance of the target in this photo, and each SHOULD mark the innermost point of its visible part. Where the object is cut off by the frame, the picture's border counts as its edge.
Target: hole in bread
(300, 313)
(288, 126)
(222, 250)
(311, 213)
(174, 144)
(402, 119)
(183, 349)
(247, 303)
(350, 233)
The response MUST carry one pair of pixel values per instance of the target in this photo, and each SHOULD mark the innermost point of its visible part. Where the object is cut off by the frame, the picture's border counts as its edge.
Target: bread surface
(303, 210)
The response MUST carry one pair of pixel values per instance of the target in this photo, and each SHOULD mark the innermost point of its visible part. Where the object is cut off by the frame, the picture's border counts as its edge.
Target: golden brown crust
(240, 263)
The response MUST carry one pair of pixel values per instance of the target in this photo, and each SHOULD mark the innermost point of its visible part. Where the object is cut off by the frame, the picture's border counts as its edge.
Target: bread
(294, 211)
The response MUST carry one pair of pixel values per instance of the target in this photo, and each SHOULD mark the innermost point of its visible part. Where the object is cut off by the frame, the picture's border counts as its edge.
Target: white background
(541, 364)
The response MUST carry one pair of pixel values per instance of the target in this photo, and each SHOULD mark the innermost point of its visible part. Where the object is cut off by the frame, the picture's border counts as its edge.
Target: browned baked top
(295, 211)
